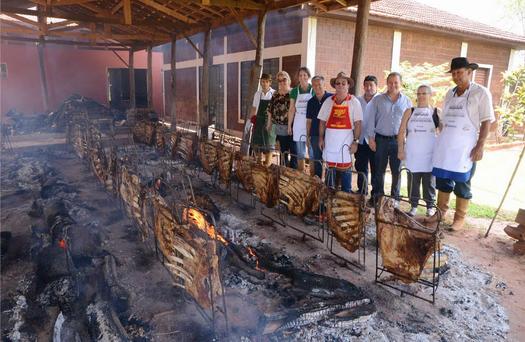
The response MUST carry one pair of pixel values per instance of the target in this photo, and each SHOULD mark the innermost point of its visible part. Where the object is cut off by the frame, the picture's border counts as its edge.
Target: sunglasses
(341, 83)
(281, 80)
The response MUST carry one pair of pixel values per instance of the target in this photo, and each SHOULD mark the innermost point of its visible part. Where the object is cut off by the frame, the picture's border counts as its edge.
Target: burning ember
(251, 252)
(199, 220)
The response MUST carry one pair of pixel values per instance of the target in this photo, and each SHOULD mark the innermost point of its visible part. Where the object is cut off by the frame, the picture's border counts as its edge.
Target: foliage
(434, 75)
(512, 108)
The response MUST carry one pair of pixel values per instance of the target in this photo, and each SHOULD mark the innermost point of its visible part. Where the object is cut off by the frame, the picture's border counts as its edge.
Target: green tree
(434, 75)
(512, 109)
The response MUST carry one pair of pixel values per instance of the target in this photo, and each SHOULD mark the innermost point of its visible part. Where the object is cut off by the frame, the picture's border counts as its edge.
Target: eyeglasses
(281, 80)
(421, 94)
(341, 83)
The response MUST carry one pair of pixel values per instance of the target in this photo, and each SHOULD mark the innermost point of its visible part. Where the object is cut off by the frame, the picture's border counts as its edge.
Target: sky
(490, 12)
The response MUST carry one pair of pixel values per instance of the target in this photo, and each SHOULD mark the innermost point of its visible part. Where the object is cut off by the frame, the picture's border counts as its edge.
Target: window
(3, 70)
(483, 75)
(270, 66)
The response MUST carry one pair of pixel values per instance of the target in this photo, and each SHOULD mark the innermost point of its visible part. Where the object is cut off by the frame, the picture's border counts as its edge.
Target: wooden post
(255, 74)
(173, 83)
(132, 102)
(204, 115)
(150, 78)
(43, 79)
(360, 41)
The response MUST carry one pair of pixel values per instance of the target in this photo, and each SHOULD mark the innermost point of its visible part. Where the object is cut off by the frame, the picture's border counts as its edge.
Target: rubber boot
(300, 165)
(268, 159)
(460, 214)
(442, 203)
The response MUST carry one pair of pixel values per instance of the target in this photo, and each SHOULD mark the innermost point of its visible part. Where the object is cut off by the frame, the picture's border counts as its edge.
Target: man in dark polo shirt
(312, 125)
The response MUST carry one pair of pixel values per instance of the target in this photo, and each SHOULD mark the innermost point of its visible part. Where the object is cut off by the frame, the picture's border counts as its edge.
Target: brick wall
(498, 57)
(335, 39)
(421, 47)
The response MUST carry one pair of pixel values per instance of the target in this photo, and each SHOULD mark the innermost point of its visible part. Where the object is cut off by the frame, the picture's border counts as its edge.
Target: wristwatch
(356, 140)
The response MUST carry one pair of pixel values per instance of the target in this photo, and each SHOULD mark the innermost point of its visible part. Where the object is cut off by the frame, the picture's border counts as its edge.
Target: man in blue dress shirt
(384, 115)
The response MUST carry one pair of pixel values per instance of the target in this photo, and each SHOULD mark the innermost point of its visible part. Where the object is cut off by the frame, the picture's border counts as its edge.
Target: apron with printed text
(458, 138)
(420, 140)
(299, 121)
(339, 135)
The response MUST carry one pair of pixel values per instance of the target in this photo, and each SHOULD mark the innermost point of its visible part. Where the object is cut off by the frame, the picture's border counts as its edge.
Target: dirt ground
(486, 268)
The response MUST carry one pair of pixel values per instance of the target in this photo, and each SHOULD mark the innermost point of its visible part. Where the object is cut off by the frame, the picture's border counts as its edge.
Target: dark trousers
(363, 157)
(286, 146)
(415, 180)
(316, 155)
(386, 153)
(461, 189)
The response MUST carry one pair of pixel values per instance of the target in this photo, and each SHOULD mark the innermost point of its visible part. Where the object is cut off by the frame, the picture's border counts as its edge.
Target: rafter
(117, 7)
(243, 26)
(69, 2)
(243, 4)
(23, 19)
(168, 11)
(127, 12)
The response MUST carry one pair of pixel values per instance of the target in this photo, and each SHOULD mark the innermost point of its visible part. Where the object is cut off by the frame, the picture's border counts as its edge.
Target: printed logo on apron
(459, 136)
(339, 135)
(420, 140)
(299, 121)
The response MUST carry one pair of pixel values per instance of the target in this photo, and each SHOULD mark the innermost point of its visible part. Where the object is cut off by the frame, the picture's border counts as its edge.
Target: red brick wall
(498, 57)
(69, 70)
(419, 47)
(335, 39)
(233, 98)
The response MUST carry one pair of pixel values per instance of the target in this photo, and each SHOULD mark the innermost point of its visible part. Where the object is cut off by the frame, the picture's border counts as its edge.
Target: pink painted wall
(69, 70)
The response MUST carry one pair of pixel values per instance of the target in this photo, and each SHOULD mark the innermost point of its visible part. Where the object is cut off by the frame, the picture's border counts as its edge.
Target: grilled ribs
(345, 218)
(266, 183)
(405, 243)
(208, 155)
(243, 171)
(300, 192)
(225, 155)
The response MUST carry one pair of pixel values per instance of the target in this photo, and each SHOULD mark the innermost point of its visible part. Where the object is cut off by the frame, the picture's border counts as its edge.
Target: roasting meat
(132, 194)
(266, 183)
(243, 171)
(405, 243)
(186, 146)
(208, 155)
(225, 162)
(144, 132)
(190, 255)
(345, 218)
(300, 192)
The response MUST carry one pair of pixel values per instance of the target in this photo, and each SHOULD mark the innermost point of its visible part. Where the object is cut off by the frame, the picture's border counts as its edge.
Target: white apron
(458, 138)
(339, 135)
(299, 121)
(420, 141)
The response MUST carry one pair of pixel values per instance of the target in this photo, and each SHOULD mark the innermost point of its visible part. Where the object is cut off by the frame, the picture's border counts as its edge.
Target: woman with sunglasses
(299, 97)
(278, 114)
(416, 141)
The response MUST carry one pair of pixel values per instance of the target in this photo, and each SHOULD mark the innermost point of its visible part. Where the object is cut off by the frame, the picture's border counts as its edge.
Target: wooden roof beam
(126, 4)
(23, 19)
(194, 46)
(68, 2)
(168, 11)
(243, 4)
(117, 7)
(244, 27)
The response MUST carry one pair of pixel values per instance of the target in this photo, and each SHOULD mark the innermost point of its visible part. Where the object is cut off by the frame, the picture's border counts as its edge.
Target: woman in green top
(278, 114)
(299, 97)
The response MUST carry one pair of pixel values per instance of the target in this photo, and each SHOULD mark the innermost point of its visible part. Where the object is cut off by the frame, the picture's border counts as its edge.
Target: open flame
(198, 219)
(251, 252)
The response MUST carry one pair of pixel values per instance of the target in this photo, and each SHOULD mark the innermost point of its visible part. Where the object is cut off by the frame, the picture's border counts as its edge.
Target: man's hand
(321, 143)
(477, 153)
(401, 154)
(372, 144)
(289, 129)
(353, 148)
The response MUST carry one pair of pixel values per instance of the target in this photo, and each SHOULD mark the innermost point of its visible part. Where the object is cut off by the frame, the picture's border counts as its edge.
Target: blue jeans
(461, 189)
(316, 155)
(386, 153)
(345, 175)
(300, 149)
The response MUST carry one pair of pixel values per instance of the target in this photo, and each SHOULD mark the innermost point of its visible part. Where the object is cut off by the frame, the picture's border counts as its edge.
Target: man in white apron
(467, 115)
(339, 131)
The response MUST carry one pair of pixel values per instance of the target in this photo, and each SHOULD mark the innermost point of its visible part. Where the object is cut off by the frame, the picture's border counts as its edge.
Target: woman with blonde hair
(278, 114)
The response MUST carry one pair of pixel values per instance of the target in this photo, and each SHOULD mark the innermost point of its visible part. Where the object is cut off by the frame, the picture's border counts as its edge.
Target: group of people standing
(439, 148)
